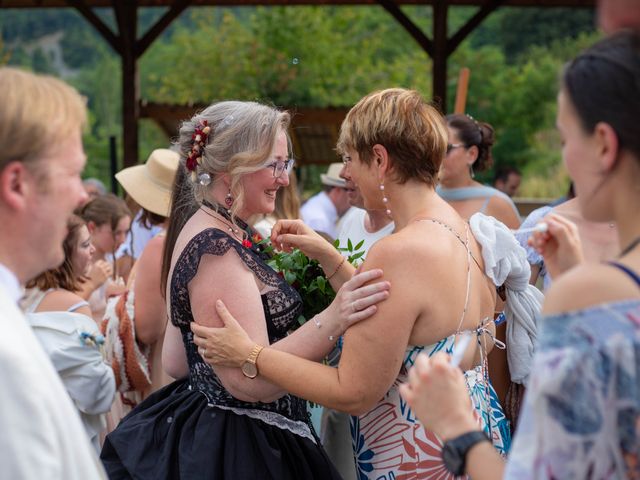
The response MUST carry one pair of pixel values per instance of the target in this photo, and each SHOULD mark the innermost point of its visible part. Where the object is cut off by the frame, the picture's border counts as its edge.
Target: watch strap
(459, 447)
(253, 356)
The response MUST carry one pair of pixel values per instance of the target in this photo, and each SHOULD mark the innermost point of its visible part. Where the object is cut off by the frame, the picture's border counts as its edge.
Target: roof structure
(314, 131)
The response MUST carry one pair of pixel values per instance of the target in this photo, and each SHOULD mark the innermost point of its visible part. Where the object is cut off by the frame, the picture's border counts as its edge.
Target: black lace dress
(194, 428)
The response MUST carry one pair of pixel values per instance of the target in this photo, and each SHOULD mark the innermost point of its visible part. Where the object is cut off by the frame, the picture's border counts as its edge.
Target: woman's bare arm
(150, 310)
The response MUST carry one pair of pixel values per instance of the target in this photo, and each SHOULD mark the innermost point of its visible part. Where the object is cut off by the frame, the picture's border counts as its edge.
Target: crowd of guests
(152, 339)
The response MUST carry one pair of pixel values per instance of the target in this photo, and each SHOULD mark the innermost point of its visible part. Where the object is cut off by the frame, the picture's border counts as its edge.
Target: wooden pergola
(130, 45)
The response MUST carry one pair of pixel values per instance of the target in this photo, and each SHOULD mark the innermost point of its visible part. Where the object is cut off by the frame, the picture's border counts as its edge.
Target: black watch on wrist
(454, 451)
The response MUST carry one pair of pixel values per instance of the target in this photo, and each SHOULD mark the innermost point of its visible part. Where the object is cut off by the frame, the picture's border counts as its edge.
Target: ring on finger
(202, 351)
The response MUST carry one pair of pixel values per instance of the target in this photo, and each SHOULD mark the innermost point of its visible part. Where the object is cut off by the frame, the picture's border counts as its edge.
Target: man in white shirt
(322, 211)
(41, 159)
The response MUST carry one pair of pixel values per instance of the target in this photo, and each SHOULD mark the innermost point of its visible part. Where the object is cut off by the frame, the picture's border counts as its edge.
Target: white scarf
(505, 262)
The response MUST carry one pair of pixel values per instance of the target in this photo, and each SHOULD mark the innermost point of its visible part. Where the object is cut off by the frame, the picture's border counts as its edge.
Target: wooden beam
(154, 32)
(413, 30)
(471, 24)
(246, 3)
(98, 24)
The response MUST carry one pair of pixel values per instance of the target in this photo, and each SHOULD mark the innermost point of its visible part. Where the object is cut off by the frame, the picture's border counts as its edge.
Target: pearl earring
(385, 200)
(228, 199)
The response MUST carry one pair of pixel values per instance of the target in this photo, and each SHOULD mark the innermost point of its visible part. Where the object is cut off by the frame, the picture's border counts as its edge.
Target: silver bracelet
(319, 325)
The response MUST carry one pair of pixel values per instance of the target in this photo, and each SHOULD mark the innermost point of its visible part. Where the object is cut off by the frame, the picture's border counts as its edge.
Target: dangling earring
(471, 172)
(228, 199)
(385, 200)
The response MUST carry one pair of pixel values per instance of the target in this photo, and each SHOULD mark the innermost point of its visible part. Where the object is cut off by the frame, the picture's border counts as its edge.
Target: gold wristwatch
(249, 367)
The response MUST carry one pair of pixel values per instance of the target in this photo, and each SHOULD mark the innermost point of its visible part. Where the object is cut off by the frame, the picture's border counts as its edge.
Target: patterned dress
(581, 416)
(390, 443)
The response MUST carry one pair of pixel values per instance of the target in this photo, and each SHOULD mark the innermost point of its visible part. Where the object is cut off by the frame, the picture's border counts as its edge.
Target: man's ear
(16, 182)
(607, 146)
(91, 226)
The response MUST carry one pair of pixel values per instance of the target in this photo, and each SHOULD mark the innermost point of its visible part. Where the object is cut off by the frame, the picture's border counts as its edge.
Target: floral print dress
(581, 415)
(390, 443)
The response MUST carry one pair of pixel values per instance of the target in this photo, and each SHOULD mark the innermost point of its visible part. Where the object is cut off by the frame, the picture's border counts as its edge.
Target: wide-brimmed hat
(150, 184)
(332, 177)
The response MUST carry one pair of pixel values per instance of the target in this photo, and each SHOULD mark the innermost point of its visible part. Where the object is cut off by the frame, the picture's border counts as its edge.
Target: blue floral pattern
(390, 443)
(581, 414)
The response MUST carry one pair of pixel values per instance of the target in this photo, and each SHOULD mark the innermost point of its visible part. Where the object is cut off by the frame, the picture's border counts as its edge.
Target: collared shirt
(9, 282)
(42, 436)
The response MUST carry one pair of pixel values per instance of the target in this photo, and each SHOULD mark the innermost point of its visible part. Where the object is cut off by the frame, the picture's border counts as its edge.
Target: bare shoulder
(59, 301)
(588, 285)
(503, 209)
(153, 250)
(398, 249)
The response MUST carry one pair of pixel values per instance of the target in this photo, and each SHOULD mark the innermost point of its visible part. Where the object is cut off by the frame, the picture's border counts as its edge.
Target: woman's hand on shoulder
(227, 346)
(560, 245)
(356, 300)
(289, 234)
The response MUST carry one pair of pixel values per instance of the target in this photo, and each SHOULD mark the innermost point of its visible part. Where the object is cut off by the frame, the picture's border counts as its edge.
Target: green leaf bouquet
(308, 278)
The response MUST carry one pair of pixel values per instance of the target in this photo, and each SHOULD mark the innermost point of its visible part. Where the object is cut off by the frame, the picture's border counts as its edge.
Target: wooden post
(461, 92)
(127, 18)
(440, 53)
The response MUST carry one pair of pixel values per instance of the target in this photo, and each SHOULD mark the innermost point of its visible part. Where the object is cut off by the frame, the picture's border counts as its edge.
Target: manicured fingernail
(219, 303)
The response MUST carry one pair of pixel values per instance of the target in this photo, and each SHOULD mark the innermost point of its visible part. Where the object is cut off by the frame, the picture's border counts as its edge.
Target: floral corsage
(91, 339)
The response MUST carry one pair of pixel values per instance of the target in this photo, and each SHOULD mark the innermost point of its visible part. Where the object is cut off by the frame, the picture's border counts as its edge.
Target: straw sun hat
(150, 184)
(332, 177)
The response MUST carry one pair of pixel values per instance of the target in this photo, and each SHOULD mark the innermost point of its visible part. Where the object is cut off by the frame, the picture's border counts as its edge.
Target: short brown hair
(413, 132)
(37, 112)
(105, 209)
(63, 276)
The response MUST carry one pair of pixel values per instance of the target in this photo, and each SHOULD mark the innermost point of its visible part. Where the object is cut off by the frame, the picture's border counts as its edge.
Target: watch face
(249, 369)
(452, 459)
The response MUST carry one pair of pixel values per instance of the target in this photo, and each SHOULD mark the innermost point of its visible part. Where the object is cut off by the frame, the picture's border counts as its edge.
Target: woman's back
(445, 290)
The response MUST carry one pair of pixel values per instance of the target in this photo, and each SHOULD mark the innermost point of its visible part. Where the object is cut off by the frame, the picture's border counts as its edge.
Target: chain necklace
(634, 243)
(224, 215)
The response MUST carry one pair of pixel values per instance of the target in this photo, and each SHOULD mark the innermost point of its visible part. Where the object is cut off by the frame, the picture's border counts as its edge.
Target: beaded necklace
(247, 235)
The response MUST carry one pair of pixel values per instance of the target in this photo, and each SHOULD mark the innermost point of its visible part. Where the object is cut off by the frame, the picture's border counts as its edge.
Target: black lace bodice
(281, 305)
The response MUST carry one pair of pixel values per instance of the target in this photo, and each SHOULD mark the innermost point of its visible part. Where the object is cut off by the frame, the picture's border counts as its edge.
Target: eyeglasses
(346, 161)
(279, 167)
(451, 146)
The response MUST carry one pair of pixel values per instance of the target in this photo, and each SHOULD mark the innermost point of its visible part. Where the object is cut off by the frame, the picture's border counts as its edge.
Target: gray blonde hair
(241, 138)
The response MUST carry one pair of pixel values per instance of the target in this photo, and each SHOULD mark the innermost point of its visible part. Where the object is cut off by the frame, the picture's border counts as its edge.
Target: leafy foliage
(322, 56)
(308, 278)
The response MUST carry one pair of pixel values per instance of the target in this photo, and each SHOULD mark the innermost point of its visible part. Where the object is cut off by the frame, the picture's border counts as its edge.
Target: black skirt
(174, 434)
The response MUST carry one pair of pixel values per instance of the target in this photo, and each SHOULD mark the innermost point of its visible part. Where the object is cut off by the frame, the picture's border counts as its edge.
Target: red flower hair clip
(199, 138)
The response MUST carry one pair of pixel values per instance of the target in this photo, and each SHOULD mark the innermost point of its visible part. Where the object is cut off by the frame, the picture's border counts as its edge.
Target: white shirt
(67, 337)
(137, 238)
(353, 229)
(321, 214)
(41, 435)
